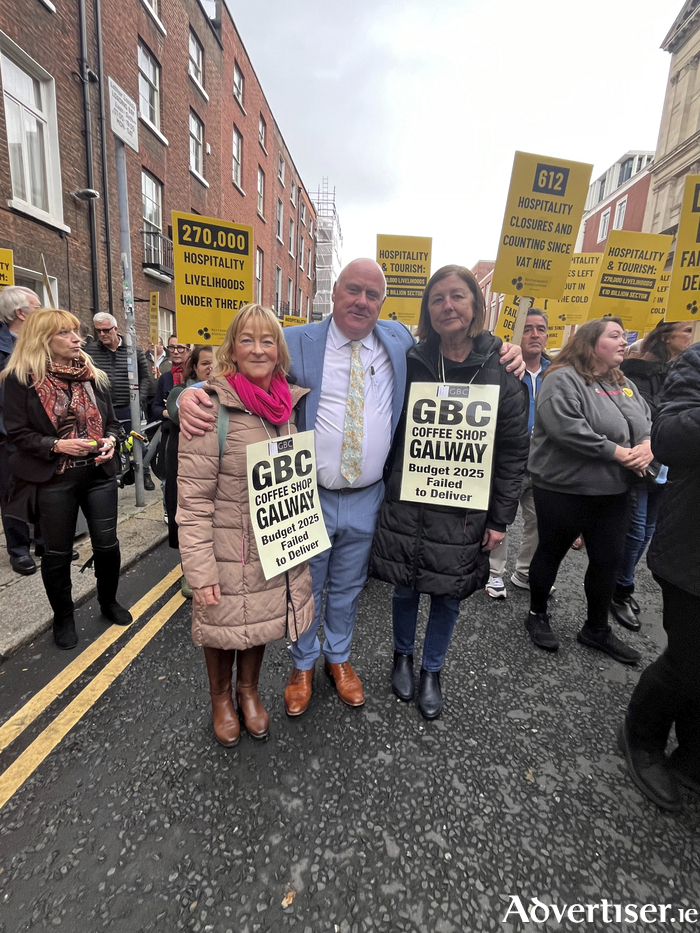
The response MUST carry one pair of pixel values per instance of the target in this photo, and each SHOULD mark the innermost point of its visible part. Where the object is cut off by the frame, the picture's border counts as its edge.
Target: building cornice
(687, 22)
(692, 142)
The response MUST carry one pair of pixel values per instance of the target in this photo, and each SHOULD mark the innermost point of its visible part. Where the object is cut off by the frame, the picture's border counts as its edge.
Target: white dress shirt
(330, 420)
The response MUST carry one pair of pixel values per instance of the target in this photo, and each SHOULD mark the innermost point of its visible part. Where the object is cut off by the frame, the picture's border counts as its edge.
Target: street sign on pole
(124, 121)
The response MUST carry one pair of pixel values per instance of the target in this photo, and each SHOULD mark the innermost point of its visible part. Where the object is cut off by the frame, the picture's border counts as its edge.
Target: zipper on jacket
(243, 549)
(419, 535)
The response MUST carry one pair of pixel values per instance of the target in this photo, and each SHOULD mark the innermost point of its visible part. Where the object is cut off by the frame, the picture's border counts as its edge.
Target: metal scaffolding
(329, 240)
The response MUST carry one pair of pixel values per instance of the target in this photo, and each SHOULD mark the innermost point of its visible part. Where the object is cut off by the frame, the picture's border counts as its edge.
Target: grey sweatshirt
(577, 428)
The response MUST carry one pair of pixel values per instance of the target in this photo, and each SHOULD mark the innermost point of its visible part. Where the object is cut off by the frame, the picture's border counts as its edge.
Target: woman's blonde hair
(579, 353)
(31, 355)
(259, 317)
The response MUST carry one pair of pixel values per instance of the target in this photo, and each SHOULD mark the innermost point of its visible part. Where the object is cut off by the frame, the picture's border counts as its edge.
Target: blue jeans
(438, 632)
(643, 515)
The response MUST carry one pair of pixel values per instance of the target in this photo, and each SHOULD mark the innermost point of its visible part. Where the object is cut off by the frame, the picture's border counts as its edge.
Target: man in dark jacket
(668, 691)
(109, 354)
(16, 303)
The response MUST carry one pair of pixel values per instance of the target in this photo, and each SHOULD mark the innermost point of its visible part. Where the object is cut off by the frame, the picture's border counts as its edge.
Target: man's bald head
(358, 296)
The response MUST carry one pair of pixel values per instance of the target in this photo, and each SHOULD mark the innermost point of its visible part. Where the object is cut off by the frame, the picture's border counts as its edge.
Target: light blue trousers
(342, 571)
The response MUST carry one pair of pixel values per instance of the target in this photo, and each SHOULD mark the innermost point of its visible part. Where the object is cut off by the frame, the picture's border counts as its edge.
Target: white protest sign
(449, 442)
(123, 115)
(284, 508)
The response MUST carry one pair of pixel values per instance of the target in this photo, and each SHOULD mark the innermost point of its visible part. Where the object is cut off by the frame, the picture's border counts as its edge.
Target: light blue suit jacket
(307, 347)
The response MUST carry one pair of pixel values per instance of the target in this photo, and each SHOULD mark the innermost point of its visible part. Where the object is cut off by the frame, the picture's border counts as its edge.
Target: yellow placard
(7, 268)
(154, 304)
(543, 215)
(581, 280)
(405, 261)
(684, 293)
(629, 274)
(507, 315)
(659, 302)
(449, 443)
(213, 262)
(291, 320)
(283, 497)
(555, 335)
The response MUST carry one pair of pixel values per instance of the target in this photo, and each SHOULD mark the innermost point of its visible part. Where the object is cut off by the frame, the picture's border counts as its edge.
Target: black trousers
(602, 521)
(85, 487)
(17, 533)
(668, 691)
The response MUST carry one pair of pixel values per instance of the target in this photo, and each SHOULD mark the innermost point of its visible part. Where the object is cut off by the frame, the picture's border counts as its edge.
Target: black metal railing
(158, 253)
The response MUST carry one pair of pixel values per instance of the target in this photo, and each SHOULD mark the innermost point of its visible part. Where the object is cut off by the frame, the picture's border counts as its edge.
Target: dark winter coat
(437, 549)
(649, 377)
(7, 345)
(674, 553)
(114, 363)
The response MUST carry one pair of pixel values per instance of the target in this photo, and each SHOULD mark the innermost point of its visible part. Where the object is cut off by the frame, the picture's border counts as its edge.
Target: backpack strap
(222, 428)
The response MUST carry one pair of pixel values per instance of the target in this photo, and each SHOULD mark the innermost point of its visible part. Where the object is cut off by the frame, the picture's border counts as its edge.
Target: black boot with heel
(55, 572)
(107, 564)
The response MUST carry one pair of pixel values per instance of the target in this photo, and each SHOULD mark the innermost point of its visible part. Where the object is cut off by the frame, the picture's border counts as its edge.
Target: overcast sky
(413, 109)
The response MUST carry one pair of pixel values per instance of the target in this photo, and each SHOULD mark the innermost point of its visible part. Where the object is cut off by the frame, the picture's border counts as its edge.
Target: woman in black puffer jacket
(648, 372)
(443, 550)
(668, 691)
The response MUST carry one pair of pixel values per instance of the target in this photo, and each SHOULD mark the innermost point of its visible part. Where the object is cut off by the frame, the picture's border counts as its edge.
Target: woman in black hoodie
(436, 549)
(648, 372)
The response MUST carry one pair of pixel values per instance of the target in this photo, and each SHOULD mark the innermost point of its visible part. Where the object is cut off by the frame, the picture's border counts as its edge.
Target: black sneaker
(537, 624)
(604, 640)
(650, 772)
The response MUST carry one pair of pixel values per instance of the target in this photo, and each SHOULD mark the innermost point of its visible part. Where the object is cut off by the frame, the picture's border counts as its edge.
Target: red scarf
(69, 400)
(275, 405)
(177, 372)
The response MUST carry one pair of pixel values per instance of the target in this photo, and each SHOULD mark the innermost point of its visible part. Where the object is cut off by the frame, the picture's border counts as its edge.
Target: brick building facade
(208, 143)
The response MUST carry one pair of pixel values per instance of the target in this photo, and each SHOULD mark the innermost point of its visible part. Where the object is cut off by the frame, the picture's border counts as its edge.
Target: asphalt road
(344, 820)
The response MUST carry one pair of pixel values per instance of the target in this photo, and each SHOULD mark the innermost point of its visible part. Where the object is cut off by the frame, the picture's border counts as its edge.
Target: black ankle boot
(107, 564)
(55, 572)
(402, 676)
(429, 694)
(623, 612)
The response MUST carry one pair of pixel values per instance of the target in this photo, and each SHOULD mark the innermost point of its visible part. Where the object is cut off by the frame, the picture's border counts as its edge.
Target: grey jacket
(577, 428)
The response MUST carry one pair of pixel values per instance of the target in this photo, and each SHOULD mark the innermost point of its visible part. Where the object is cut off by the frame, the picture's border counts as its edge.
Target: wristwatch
(53, 446)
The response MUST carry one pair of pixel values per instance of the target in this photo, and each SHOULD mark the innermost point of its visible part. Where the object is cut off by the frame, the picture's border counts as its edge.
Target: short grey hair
(15, 298)
(540, 312)
(103, 318)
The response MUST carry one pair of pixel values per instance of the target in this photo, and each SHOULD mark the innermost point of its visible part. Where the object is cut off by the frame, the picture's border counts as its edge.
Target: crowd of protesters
(598, 447)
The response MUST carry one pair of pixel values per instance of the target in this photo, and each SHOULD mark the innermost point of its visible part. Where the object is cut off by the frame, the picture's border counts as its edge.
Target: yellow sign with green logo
(543, 215)
(7, 269)
(507, 316)
(573, 308)
(291, 320)
(213, 262)
(405, 261)
(629, 275)
(684, 293)
(153, 307)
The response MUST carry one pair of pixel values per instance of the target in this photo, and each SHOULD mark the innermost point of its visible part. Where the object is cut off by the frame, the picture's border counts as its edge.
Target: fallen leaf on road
(530, 776)
(289, 897)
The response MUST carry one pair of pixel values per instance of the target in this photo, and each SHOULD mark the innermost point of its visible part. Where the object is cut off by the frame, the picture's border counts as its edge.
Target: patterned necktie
(353, 430)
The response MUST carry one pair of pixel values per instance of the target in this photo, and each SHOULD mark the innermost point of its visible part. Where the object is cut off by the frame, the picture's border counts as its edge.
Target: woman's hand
(640, 457)
(492, 539)
(512, 358)
(195, 417)
(622, 455)
(107, 449)
(207, 595)
(74, 447)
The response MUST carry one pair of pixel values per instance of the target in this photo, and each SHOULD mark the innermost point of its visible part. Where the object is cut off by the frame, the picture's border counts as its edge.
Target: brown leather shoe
(346, 681)
(297, 694)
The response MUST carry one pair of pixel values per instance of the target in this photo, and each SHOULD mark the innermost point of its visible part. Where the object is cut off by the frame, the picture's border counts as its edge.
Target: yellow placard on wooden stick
(659, 302)
(629, 275)
(507, 316)
(47, 284)
(153, 307)
(543, 215)
(574, 307)
(7, 268)
(405, 261)
(213, 262)
(684, 293)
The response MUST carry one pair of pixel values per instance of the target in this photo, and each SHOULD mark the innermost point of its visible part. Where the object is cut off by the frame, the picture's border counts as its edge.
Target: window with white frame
(604, 225)
(28, 278)
(261, 192)
(290, 294)
(32, 133)
(302, 212)
(151, 203)
(259, 259)
(625, 171)
(293, 193)
(196, 144)
(238, 83)
(308, 307)
(149, 85)
(301, 253)
(640, 163)
(196, 64)
(311, 227)
(262, 131)
(166, 325)
(280, 169)
(280, 220)
(291, 236)
(152, 5)
(278, 288)
(237, 157)
(300, 305)
(308, 263)
(620, 209)
(601, 189)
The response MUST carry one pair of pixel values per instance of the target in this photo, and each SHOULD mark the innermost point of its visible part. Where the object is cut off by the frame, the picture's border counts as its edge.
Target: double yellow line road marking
(18, 772)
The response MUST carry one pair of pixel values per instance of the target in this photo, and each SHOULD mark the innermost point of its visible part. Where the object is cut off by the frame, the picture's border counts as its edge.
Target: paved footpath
(344, 820)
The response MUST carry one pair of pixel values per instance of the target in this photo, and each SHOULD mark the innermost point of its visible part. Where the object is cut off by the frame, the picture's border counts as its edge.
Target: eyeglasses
(99, 331)
(180, 347)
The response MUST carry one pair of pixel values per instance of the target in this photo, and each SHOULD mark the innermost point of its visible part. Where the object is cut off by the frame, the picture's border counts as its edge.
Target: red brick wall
(636, 196)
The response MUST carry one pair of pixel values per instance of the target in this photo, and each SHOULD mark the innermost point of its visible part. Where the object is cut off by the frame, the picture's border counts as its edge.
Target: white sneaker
(518, 581)
(496, 588)
(165, 517)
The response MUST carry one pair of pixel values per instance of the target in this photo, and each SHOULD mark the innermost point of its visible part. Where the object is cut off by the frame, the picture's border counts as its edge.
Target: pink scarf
(275, 406)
